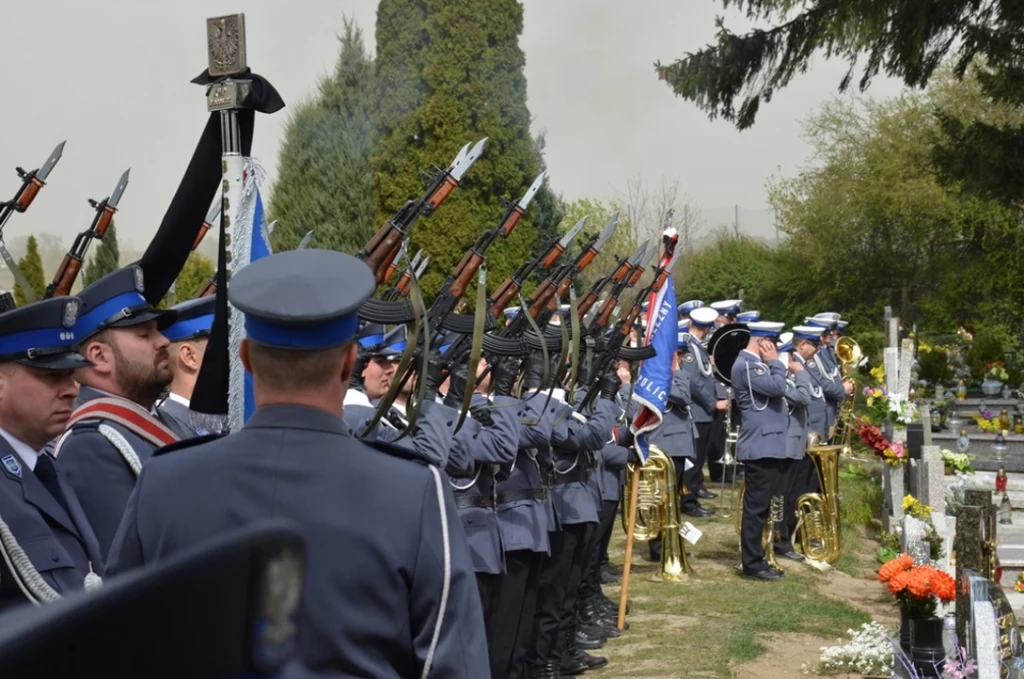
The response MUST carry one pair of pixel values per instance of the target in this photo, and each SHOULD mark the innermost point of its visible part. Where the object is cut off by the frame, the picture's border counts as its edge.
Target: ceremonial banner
(654, 379)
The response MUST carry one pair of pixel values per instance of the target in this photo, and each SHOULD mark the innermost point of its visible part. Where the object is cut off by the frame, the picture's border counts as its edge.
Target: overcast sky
(112, 77)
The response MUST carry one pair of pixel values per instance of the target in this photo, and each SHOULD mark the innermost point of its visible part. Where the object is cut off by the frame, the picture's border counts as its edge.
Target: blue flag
(654, 380)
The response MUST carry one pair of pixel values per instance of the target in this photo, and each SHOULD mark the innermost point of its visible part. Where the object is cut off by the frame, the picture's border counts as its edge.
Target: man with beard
(188, 337)
(41, 514)
(113, 430)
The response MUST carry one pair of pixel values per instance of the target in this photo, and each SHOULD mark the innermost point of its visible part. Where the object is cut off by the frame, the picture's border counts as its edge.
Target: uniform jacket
(575, 440)
(60, 544)
(759, 390)
(431, 441)
(828, 394)
(702, 382)
(523, 503)
(175, 415)
(835, 394)
(99, 473)
(487, 447)
(372, 524)
(798, 397)
(675, 435)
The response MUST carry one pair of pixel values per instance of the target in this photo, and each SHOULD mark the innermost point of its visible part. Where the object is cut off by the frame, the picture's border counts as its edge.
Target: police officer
(44, 534)
(825, 371)
(113, 431)
(727, 310)
(798, 399)
(431, 439)
(391, 589)
(703, 388)
(759, 383)
(748, 316)
(188, 336)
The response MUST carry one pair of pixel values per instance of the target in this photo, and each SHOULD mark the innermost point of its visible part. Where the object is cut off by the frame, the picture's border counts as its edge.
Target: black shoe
(654, 556)
(705, 494)
(570, 666)
(591, 661)
(601, 627)
(610, 576)
(584, 639)
(699, 513)
(789, 554)
(763, 574)
(545, 671)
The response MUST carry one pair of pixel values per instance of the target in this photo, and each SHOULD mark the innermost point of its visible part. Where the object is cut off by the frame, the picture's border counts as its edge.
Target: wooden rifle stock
(437, 197)
(552, 256)
(28, 194)
(502, 296)
(585, 303)
(381, 257)
(66, 275)
(541, 296)
(586, 259)
(201, 235)
(465, 272)
(402, 285)
(513, 218)
(103, 223)
(210, 288)
(637, 273)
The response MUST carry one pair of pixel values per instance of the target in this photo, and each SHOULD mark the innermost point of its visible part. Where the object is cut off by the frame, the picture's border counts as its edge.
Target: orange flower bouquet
(916, 589)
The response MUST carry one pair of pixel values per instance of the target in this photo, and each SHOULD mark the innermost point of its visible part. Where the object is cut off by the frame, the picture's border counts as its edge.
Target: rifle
(508, 290)
(615, 347)
(65, 277)
(392, 293)
(380, 252)
(604, 313)
(210, 287)
(212, 217)
(31, 182)
(627, 265)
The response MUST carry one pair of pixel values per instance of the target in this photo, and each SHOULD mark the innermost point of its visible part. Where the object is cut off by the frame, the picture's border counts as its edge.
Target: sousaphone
(724, 346)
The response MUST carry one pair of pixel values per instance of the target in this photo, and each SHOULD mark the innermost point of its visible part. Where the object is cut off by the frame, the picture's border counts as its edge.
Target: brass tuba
(849, 354)
(657, 513)
(818, 513)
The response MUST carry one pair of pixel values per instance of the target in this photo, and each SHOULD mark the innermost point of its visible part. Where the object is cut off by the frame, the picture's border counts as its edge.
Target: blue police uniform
(194, 321)
(798, 399)
(391, 589)
(40, 515)
(826, 371)
(759, 390)
(101, 453)
(702, 409)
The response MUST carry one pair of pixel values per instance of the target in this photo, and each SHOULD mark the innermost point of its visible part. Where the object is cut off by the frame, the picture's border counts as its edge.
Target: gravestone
(970, 557)
(931, 476)
(913, 540)
(990, 634)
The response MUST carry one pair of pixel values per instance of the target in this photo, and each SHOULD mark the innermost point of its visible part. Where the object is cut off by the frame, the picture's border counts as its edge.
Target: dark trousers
(590, 586)
(606, 526)
(701, 444)
(687, 502)
(553, 583)
(514, 613)
(763, 480)
(488, 584)
(716, 447)
(573, 585)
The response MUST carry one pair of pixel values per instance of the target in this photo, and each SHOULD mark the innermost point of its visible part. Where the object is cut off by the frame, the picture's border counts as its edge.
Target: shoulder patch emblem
(811, 363)
(760, 370)
(12, 465)
(688, 358)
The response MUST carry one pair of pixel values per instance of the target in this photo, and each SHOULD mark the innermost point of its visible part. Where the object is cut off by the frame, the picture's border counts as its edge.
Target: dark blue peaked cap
(116, 301)
(42, 334)
(371, 335)
(228, 608)
(195, 318)
(302, 299)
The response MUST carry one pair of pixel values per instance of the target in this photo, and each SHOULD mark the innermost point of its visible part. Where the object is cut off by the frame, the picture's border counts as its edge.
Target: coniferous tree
(325, 183)
(32, 266)
(105, 259)
(472, 86)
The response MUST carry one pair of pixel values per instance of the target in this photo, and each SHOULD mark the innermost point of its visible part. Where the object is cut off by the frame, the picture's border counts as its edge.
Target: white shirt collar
(24, 451)
(171, 396)
(354, 397)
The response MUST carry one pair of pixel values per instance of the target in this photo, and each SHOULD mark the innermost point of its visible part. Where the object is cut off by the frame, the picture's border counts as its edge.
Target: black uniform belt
(465, 501)
(577, 474)
(522, 494)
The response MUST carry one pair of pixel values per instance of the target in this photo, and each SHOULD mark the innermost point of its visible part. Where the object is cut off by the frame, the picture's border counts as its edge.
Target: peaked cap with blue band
(371, 336)
(820, 322)
(748, 316)
(42, 334)
(395, 341)
(728, 307)
(703, 317)
(117, 301)
(842, 325)
(765, 328)
(811, 333)
(195, 318)
(302, 299)
(785, 342)
(686, 307)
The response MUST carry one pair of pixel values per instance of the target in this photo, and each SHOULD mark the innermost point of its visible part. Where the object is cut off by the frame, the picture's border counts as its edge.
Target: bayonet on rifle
(73, 260)
(382, 249)
(212, 217)
(304, 243)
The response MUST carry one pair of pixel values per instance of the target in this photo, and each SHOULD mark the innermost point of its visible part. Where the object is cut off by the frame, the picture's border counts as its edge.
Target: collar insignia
(13, 466)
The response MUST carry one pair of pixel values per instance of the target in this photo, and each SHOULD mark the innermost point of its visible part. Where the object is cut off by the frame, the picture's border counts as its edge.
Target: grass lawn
(718, 624)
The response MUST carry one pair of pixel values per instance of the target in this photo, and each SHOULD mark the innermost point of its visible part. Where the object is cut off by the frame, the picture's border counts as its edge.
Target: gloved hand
(504, 371)
(456, 386)
(482, 414)
(534, 370)
(435, 373)
(609, 385)
(356, 379)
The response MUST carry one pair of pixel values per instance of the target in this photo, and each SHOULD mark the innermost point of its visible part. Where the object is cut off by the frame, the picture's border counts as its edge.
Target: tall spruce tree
(451, 72)
(325, 183)
(106, 259)
(32, 266)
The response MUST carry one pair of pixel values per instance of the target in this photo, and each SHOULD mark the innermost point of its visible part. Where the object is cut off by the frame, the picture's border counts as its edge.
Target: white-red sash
(129, 415)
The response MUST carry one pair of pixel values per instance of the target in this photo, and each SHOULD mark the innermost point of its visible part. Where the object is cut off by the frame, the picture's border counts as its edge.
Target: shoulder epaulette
(187, 443)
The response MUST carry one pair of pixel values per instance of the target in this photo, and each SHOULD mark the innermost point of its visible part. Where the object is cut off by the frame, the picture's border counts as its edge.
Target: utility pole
(736, 219)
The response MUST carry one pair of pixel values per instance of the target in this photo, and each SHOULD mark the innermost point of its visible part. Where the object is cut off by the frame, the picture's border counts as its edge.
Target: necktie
(46, 471)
